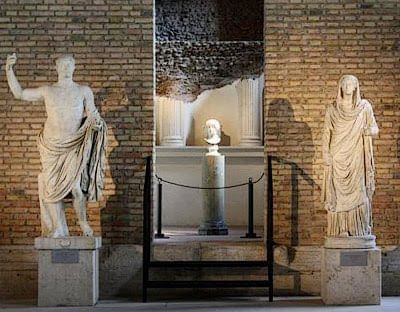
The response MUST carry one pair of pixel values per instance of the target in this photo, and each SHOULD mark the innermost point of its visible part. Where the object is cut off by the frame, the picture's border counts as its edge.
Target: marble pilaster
(171, 118)
(250, 96)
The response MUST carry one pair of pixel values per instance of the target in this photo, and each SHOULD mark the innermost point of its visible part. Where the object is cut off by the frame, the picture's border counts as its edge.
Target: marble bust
(71, 146)
(212, 133)
(349, 170)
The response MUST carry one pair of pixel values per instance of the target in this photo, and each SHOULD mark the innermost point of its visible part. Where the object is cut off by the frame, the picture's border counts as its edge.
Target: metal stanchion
(146, 227)
(250, 233)
(270, 231)
(159, 233)
(147, 233)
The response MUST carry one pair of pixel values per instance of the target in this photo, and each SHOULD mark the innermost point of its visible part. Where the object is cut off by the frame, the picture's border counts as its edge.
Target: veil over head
(356, 98)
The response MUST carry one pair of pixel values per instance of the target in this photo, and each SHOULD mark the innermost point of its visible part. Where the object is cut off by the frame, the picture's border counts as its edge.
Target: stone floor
(254, 304)
(189, 234)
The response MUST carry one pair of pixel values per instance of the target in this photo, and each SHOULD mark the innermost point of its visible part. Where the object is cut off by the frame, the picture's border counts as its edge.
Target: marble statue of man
(212, 133)
(71, 146)
(349, 172)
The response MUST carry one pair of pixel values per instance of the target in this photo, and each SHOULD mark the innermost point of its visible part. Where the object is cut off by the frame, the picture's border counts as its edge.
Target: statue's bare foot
(344, 234)
(86, 229)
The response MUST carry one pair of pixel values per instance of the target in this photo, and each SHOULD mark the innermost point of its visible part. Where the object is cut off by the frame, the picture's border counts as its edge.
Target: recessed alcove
(182, 207)
(209, 64)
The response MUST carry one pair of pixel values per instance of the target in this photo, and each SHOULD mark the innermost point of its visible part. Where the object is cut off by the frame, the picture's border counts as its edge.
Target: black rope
(208, 188)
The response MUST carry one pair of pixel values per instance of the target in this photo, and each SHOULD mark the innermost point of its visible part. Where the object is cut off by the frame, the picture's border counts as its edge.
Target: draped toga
(77, 158)
(349, 179)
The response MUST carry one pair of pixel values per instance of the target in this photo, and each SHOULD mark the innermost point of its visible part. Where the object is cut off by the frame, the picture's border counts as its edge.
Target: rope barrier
(207, 188)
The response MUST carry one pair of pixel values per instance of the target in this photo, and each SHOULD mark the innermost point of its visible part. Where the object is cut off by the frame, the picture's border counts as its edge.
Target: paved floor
(190, 234)
(258, 304)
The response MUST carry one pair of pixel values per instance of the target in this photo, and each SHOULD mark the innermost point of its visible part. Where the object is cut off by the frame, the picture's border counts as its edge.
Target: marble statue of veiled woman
(349, 169)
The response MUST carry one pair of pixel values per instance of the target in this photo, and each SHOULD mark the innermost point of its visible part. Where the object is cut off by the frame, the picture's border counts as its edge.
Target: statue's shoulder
(44, 90)
(366, 105)
(84, 89)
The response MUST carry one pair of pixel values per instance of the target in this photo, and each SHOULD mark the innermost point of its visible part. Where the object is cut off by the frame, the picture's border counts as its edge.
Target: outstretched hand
(11, 60)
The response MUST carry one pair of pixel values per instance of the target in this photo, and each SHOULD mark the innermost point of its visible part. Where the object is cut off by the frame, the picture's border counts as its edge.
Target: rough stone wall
(308, 45)
(185, 68)
(206, 44)
(112, 42)
(210, 20)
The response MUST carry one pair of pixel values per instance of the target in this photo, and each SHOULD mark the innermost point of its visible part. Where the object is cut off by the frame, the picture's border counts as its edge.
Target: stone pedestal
(213, 200)
(68, 271)
(350, 276)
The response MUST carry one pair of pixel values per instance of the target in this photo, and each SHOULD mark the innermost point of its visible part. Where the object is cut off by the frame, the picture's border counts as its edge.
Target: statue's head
(212, 131)
(65, 66)
(349, 86)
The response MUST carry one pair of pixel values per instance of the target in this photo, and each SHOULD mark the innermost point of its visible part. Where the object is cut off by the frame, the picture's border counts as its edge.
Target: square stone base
(68, 271)
(351, 276)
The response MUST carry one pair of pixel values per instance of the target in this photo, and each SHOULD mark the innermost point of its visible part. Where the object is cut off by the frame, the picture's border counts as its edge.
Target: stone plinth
(351, 276)
(351, 242)
(213, 200)
(68, 271)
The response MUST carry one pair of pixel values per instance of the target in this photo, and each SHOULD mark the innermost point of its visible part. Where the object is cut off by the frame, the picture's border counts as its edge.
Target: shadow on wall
(290, 142)
(123, 207)
(390, 270)
(120, 262)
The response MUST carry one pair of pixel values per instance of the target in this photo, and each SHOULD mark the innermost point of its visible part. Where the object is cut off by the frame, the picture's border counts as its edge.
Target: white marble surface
(250, 97)
(71, 242)
(69, 278)
(349, 171)
(70, 163)
(356, 242)
(171, 122)
(350, 283)
(213, 199)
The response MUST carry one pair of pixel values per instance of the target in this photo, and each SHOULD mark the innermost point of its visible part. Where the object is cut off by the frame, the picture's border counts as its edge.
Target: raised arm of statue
(35, 94)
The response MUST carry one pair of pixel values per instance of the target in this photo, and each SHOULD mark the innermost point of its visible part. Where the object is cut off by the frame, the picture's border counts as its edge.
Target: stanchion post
(146, 226)
(270, 231)
(159, 233)
(250, 225)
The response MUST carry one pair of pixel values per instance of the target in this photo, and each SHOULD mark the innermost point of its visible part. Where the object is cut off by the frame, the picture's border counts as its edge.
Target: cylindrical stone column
(213, 200)
(171, 121)
(250, 96)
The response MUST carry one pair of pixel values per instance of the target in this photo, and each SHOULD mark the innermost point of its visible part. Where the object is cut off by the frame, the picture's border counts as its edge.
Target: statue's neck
(65, 82)
(347, 101)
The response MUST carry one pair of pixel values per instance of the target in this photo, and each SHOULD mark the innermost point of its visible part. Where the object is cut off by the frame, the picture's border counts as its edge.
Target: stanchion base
(160, 236)
(250, 235)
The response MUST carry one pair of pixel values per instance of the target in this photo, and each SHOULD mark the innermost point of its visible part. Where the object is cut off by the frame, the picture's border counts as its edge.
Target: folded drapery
(349, 180)
(80, 156)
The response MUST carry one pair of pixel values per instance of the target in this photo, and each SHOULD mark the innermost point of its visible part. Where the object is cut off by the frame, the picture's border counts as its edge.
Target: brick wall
(112, 42)
(309, 44)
